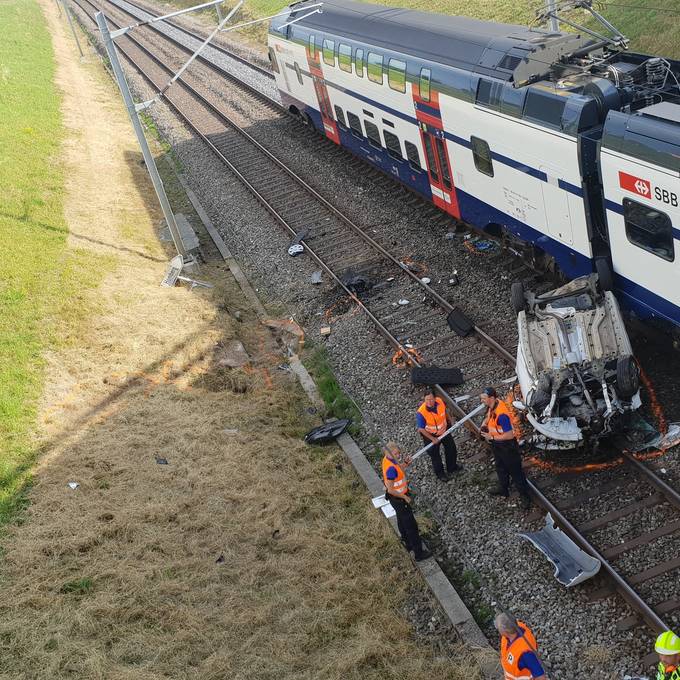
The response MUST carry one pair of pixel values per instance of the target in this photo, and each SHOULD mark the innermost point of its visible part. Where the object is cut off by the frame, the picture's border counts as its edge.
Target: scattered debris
(230, 430)
(356, 283)
(296, 339)
(234, 355)
(284, 367)
(413, 266)
(403, 359)
(572, 565)
(403, 302)
(459, 322)
(433, 375)
(295, 250)
(325, 331)
(390, 279)
(73, 485)
(454, 280)
(327, 432)
(449, 236)
(311, 410)
(425, 280)
(316, 277)
(161, 461)
(275, 533)
(220, 560)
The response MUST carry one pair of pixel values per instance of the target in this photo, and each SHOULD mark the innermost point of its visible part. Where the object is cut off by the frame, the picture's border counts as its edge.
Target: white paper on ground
(388, 511)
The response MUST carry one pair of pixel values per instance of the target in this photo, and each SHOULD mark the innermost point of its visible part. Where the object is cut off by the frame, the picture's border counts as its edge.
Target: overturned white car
(575, 364)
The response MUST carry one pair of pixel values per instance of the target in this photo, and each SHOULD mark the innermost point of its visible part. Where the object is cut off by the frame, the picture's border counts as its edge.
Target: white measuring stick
(453, 427)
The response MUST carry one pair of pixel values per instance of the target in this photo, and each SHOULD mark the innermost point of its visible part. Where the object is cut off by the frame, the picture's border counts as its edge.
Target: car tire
(519, 303)
(627, 376)
(604, 274)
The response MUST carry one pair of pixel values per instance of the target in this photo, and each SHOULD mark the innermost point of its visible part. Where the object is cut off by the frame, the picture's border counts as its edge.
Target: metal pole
(134, 118)
(73, 28)
(554, 25)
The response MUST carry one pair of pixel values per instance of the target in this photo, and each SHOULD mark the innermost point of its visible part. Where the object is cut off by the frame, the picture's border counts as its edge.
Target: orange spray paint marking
(661, 422)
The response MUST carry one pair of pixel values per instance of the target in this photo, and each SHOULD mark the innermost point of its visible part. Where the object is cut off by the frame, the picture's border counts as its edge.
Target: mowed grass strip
(39, 280)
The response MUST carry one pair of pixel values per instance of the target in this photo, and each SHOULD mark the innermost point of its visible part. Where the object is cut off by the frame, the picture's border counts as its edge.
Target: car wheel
(519, 303)
(604, 274)
(627, 376)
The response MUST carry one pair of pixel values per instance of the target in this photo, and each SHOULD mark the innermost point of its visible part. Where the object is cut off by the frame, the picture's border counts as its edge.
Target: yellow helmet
(668, 643)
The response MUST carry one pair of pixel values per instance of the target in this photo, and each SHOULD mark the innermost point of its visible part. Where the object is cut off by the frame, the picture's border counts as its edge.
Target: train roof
(505, 51)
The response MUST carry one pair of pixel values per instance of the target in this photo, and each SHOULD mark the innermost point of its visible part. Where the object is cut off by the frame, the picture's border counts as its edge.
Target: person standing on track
(432, 421)
(668, 648)
(396, 492)
(519, 650)
(497, 430)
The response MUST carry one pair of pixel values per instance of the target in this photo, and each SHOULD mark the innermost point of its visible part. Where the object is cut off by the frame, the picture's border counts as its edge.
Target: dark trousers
(406, 522)
(450, 454)
(508, 461)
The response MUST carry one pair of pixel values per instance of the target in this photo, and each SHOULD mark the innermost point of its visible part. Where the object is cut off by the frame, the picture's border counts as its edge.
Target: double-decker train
(564, 143)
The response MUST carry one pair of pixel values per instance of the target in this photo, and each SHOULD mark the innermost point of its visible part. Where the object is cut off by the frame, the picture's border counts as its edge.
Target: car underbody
(575, 367)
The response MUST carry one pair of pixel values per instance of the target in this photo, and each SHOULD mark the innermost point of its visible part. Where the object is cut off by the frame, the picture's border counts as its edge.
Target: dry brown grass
(249, 555)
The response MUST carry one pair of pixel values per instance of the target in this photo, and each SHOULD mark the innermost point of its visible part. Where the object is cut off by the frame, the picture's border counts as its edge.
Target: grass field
(39, 282)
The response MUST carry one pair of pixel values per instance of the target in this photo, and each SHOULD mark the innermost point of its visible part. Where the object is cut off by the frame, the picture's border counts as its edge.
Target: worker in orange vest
(497, 430)
(519, 650)
(432, 420)
(396, 492)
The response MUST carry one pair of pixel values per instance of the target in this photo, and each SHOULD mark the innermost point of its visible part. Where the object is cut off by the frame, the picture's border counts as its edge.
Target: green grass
(80, 586)
(39, 280)
(338, 404)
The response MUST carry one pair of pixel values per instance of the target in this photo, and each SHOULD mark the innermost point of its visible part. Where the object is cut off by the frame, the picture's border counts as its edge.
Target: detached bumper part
(572, 565)
(562, 429)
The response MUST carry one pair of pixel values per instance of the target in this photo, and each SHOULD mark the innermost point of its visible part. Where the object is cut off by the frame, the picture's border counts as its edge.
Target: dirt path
(204, 540)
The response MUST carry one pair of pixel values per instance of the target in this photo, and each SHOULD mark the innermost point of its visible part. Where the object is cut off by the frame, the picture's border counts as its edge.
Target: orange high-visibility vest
(495, 414)
(399, 484)
(511, 652)
(435, 423)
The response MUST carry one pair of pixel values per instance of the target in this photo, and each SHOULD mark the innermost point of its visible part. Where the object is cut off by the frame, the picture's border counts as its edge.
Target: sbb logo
(635, 184)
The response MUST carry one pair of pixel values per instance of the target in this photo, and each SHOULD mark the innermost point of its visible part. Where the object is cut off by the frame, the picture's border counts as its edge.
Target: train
(565, 145)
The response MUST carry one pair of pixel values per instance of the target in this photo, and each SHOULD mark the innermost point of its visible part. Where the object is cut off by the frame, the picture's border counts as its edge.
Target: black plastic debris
(275, 533)
(220, 560)
(327, 432)
(161, 461)
(433, 375)
(356, 283)
(459, 323)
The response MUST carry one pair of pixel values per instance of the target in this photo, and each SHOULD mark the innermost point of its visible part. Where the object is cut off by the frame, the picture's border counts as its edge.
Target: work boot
(456, 470)
(498, 491)
(443, 478)
(524, 502)
(423, 555)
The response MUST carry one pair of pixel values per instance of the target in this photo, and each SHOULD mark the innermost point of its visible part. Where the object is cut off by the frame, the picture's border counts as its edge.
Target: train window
(482, 155)
(375, 67)
(355, 124)
(340, 116)
(431, 160)
(443, 162)
(413, 156)
(329, 52)
(345, 57)
(396, 75)
(312, 48)
(359, 63)
(545, 108)
(393, 145)
(424, 84)
(373, 134)
(649, 229)
(298, 73)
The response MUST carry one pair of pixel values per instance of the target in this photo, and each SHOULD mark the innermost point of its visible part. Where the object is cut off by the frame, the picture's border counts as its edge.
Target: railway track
(412, 317)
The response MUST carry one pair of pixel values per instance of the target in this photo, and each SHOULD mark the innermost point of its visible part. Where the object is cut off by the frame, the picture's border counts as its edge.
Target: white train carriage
(522, 133)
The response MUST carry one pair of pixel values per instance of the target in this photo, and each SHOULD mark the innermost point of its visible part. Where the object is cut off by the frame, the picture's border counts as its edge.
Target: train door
(428, 114)
(439, 170)
(314, 61)
(556, 202)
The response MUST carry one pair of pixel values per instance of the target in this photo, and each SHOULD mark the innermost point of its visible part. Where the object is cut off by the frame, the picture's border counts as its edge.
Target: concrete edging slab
(440, 586)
